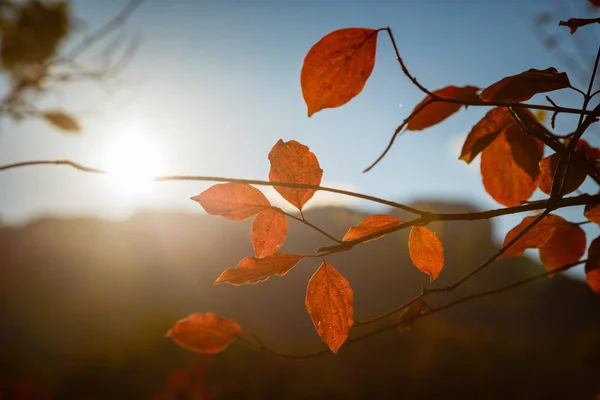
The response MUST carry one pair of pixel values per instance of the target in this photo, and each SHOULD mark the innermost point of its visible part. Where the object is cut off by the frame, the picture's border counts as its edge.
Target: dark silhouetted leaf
(337, 67)
(61, 120)
(484, 132)
(592, 213)
(369, 225)
(253, 270)
(438, 111)
(525, 85)
(560, 242)
(409, 315)
(592, 265)
(293, 162)
(503, 177)
(234, 201)
(426, 251)
(329, 302)
(268, 232)
(205, 333)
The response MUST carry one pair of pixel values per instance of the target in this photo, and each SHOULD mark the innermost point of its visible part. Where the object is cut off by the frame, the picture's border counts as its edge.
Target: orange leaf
(409, 315)
(484, 132)
(426, 251)
(592, 265)
(592, 213)
(293, 162)
(560, 242)
(507, 166)
(253, 270)
(329, 300)
(525, 85)
(234, 201)
(337, 67)
(575, 176)
(438, 111)
(205, 333)
(369, 225)
(268, 232)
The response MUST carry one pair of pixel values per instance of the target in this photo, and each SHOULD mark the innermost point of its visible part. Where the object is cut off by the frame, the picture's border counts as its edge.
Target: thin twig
(309, 224)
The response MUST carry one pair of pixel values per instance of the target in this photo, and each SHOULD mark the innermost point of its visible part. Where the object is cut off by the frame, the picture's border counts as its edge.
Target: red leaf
(426, 251)
(592, 265)
(293, 162)
(234, 201)
(575, 176)
(369, 225)
(525, 85)
(268, 232)
(438, 111)
(560, 242)
(484, 132)
(409, 315)
(592, 213)
(205, 333)
(507, 165)
(329, 302)
(597, 4)
(337, 67)
(253, 270)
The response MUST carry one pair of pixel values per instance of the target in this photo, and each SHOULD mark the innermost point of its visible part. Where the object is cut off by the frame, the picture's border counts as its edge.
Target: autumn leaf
(62, 120)
(329, 302)
(507, 166)
(592, 213)
(409, 315)
(337, 67)
(369, 225)
(592, 265)
(559, 241)
(525, 85)
(426, 251)
(268, 232)
(234, 201)
(253, 270)
(438, 111)
(293, 162)
(575, 176)
(484, 132)
(205, 333)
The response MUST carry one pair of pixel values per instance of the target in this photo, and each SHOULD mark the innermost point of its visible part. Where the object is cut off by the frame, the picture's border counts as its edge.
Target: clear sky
(214, 84)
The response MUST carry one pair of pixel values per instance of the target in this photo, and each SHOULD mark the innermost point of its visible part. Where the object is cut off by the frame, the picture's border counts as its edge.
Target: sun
(132, 161)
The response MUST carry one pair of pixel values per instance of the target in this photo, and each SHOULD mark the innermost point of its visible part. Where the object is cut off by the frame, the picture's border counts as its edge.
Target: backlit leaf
(337, 67)
(559, 241)
(329, 302)
(592, 265)
(62, 120)
(409, 315)
(592, 213)
(438, 111)
(507, 165)
(293, 162)
(205, 333)
(268, 232)
(369, 225)
(484, 132)
(426, 251)
(575, 176)
(234, 201)
(525, 85)
(253, 270)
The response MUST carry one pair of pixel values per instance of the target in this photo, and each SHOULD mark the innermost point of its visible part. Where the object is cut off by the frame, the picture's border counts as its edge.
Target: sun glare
(132, 161)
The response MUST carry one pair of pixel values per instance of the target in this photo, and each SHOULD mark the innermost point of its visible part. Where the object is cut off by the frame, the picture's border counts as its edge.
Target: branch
(574, 23)
(402, 321)
(310, 225)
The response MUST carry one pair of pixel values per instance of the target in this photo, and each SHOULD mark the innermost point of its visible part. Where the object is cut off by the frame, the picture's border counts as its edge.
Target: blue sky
(214, 84)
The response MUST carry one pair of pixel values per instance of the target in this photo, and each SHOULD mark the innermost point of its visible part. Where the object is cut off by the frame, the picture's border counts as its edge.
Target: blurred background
(94, 269)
